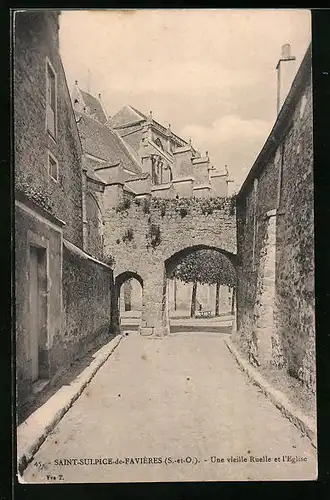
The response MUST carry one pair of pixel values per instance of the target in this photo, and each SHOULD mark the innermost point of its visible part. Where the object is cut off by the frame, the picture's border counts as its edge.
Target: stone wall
(87, 287)
(94, 226)
(275, 241)
(295, 256)
(63, 296)
(144, 233)
(36, 38)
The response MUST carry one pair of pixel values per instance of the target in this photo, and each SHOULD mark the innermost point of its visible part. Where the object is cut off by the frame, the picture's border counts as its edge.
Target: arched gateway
(148, 238)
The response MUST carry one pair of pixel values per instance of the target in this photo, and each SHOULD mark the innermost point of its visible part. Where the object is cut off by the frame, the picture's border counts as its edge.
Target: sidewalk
(34, 430)
(307, 425)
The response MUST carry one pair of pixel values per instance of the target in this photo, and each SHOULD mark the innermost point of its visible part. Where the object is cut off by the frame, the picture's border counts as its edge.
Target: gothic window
(157, 169)
(159, 143)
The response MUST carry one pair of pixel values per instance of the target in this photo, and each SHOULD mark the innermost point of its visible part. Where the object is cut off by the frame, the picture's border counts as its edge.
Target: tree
(217, 299)
(205, 267)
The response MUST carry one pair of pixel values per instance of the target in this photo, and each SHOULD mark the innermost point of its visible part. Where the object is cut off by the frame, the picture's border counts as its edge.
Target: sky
(209, 73)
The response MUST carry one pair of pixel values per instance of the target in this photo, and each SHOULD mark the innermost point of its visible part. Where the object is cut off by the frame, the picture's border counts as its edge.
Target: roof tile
(102, 142)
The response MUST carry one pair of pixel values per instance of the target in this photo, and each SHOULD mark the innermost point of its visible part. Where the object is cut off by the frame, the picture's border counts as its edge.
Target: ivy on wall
(146, 205)
(41, 196)
(128, 235)
(110, 261)
(181, 206)
(123, 205)
(154, 236)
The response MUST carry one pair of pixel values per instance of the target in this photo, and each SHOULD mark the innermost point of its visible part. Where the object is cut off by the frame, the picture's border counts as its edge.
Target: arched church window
(159, 143)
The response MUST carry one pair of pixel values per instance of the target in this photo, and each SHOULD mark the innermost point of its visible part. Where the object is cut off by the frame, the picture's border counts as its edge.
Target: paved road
(173, 400)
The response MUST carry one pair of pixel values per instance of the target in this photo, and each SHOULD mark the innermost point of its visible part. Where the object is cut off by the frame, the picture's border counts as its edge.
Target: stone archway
(171, 263)
(173, 260)
(209, 295)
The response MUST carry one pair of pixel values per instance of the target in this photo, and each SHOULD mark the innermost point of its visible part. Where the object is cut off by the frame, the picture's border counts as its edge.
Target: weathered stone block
(146, 331)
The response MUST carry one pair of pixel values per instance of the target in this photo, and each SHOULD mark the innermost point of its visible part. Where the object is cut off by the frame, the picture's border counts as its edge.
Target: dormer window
(51, 98)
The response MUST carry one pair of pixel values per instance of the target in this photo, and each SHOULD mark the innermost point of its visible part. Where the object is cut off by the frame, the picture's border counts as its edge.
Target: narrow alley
(177, 408)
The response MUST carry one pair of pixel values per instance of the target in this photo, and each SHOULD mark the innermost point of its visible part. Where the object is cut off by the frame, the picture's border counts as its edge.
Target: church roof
(94, 106)
(127, 115)
(102, 142)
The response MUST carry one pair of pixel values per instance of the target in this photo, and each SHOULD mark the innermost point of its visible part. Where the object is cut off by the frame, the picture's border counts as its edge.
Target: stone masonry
(275, 234)
(148, 236)
(63, 293)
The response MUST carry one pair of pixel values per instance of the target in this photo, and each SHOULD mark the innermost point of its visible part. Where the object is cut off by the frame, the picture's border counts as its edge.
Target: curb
(305, 424)
(34, 430)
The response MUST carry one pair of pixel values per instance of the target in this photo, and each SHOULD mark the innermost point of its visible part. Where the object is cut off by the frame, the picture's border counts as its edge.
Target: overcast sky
(209, 73)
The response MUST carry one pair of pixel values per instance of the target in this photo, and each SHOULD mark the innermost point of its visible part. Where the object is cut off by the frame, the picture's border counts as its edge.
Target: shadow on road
(200, 328)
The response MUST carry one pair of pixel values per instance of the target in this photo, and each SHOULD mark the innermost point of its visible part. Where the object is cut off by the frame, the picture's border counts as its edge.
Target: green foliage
(123, 205)
(40, 194)
(206, 267)
(109, 260)
(183, 206)
(128, 235)
(232, 205)
(162, 208)
(146, 205)
(154, 235)
(209, 205)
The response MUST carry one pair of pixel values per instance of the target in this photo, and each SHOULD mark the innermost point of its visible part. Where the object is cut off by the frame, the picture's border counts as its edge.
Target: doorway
(38, 314)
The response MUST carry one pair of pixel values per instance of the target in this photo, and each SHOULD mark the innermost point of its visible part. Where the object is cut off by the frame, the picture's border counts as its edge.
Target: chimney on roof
(285, 74)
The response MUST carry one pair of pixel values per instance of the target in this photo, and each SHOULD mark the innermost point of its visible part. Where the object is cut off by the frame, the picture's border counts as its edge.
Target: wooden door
(34, 313)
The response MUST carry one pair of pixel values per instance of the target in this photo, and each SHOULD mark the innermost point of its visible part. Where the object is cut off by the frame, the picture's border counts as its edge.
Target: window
(159, 143)
(52, 167)
(51, 94)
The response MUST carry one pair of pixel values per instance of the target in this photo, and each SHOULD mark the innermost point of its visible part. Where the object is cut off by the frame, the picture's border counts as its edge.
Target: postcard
(164, 245)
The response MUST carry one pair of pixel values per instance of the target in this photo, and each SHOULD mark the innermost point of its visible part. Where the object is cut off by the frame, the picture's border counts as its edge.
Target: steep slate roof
(125, 116)
(101, 141)
(94, 106)
(129, 116)
(94, 177)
